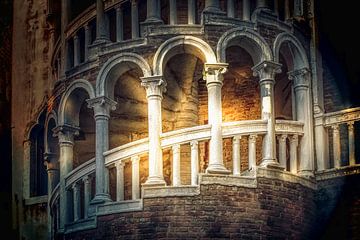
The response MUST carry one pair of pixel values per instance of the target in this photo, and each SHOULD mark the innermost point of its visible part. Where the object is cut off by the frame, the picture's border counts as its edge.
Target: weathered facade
(176, 119)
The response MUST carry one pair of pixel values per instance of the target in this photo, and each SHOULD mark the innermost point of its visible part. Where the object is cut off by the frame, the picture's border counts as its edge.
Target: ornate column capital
(66, 133)
(252, 138)
(102, 106)
(350, 125)
(294, 139)
(300, 78)
(282, 137)
(50, 161)
(135, 159)
(213, 73)
(155, 86)
(266, 71)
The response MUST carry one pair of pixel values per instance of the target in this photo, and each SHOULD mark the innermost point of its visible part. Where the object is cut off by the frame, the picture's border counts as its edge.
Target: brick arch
(105, 82)
(189, 44)
(253, 43)
(80, 84)
(295, 55)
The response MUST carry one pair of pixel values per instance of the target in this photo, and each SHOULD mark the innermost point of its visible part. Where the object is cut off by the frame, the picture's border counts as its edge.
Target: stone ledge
(114, 47)
(228, 180)
(179, 191)
(119, 207)
(36, 200)
(83, 224)
(337, 172)
(285, 176)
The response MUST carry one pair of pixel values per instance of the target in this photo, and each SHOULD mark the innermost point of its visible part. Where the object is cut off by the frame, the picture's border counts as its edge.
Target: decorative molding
(36, 200)
(344, 116)
(228, 180)
(119, 207)
(170, 191)
(337, 172)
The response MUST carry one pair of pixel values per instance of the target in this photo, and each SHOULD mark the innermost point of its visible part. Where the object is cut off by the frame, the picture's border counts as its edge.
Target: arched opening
(52, 149)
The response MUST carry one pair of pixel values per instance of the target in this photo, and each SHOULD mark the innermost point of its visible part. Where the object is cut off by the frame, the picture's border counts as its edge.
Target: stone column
(246, 10)
(230, 8)
(194, 162)
(262, 4)
(252, 152)
(65, 134)
(282, 150)
(134, 19)
(176, 181)
(52, 168)
(212, 6)
(119, 23)
(76, 201)
(102, 107)
(191, 11)
(87, 194)
(119, 181)
(173, 14)
(101, 31)
(303, 106)
(153, 11)
(155, 87)
(336, 146)
(135, 185)
(76, 50)
(236, 155)
(321, 143)
(351, 137)
(287, 10)
(87, 29)
(298, 8)
(294, 140)
(266, 71)
(65, 10)
(213, 74)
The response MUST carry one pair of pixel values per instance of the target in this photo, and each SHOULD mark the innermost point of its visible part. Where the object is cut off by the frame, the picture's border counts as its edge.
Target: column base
(217, 169)
(154, 182)
(100, 198)
(306, 173)
(100, 41)
(270, 163)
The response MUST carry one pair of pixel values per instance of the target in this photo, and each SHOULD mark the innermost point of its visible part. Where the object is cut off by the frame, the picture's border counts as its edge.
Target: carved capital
(66, 133)
(252, 138)
(294, 139)
(213, 72)
(335, 128)
(236, 139)
(120, 165)
(300, 77)
(102, 106)
(135, 159)
(350, 126)
(175, 148)
(86, 180)
(155, 86)
(194, 145)
(266, 70)
(282, 137)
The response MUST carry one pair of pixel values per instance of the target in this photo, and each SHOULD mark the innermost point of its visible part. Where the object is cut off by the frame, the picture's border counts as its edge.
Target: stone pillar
(173, 14)
(102, 107)
(287, 15)
(76, 201)
(101, 31)
(52, 168)
(236, 155)
(336, 146)
(266, 71)
(294, 140)
(230, 8)
(65, 10)
(282, 150)
(303, 106)
(321, 143)
(252, 152)
(176, 181)
(153, 11)
(134, 19)
(155, 86)
(119, 181)
(351, 137)
(87, 194)
(135, 185)
(87, 29)
(262, 4)
(298, 8)
(194, 162)
(76, 50)
(191, 11)
(246, 10)
(119, 23)
(65, 134)
(213, 74)
(212, 6)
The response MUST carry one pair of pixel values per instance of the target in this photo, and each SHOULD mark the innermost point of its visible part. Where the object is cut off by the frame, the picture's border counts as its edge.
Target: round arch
(104, 86)
(188, 44)
(80, 84)
(295, 55)
(50, 116)
(250, 40)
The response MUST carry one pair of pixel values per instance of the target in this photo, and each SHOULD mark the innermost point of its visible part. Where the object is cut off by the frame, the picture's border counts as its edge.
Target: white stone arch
(188, 44)
(295, 55)
(117, 65)
(81, 84)
(50, 116)
(250, 40)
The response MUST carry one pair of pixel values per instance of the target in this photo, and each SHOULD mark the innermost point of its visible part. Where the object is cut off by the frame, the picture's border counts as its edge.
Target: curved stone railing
(78, 181)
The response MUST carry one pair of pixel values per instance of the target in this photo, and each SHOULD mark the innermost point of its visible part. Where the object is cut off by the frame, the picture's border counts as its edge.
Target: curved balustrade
(78, 181)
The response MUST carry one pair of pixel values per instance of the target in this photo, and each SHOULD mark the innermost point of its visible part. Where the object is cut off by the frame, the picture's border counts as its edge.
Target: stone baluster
(230, 8)
(282, 150)
(191, 11)
(135, 185)
(236, 155)
(213, 74)
(153, 11)
(87, 194)
(287, 15)
(173, 14)
(246, 10)
(87, 42)
(120, 180)
(101, 33)
(212, 6)
(176, 165)
(298, 8)
(252, 152)
(76, 49)
(119, 23)
(294, 141)
(336, 146)
(351, 137)
(134, 19)
(76, 201)
(194, 162)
